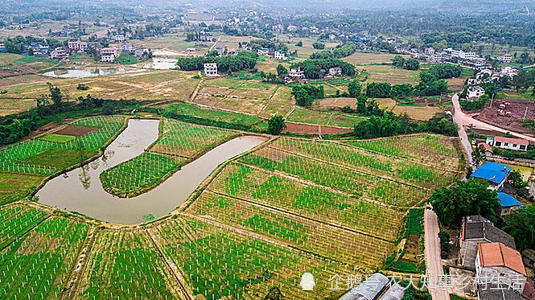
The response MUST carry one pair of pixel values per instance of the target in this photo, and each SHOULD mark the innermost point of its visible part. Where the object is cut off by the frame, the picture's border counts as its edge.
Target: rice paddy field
(259, 221)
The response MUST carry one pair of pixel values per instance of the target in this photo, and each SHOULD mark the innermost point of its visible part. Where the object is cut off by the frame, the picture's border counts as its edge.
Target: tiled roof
(511, 140)
(497, 254)
(487, 231)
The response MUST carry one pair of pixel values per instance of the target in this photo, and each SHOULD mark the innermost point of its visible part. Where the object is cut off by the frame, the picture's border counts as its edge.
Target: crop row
(311, 201)
(15, 220)
(125, 265)
(37, 265)
(139, 174)
(431, 149)
(364, 161)
(328, 241)
(218, 263)
(336, 177)
(188, 140)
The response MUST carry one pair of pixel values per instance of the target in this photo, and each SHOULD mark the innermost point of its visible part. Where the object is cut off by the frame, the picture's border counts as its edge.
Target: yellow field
(361, 58)
(387, 73)
(421, 113)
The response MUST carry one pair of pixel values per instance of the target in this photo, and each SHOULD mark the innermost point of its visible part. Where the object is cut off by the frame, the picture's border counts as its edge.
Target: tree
(411, 64)
(521, 225)
(398, 61)
(451, 204)
(299, 44)
(318, 45)
(281, 70)
(361, 104)
(276, 125)
(354, 88)
(444, 237)
(55, 94)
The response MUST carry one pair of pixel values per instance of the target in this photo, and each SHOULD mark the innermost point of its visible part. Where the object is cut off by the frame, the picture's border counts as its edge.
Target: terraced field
(259, 222)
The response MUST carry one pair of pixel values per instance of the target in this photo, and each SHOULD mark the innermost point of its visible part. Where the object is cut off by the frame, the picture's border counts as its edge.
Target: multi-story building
(279, 54)
(499, 267)
(210, 69)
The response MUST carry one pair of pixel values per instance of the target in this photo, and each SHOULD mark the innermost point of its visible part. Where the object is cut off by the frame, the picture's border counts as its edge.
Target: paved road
(432, 255)
(458, 118)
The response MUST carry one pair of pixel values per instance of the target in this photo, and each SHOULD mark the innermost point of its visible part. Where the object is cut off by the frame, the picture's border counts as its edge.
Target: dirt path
(75, 278)
(432, 256)
(459, 119)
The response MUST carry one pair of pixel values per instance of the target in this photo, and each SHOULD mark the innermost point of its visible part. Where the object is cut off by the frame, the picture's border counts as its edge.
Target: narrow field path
(171, 267)
(24, 233)
(433, 262)
(268, 100)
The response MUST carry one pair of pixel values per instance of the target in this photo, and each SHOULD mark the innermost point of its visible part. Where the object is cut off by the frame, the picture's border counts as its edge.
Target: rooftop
(493, 172)
(511, 140)
(499, 255)
(477, 227)
(507, 200)
(499, 294)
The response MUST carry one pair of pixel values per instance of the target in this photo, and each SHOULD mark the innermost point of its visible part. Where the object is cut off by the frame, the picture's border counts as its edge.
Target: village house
(40, 49)
(474, 92)
(221, 50)
(119, 38)
(73, 45)
(108, 55)
(507, 143)
(263, 51)
(509, 203)
(59, 53)
(280, 55)
(296, 73)
(475, 230)
(371, 288)
(336, 71)
(499, 266)
(495, 174)
(210, 69)
(507, 58)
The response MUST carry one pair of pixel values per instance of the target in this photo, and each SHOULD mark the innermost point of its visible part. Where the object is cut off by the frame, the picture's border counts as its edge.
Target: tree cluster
(306, 94)
(446, 71)
(407, 64)
(339, 52)
(313, 67)
(242, 61)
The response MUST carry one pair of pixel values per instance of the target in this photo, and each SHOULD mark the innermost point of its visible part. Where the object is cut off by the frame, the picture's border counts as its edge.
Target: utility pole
(525, 114)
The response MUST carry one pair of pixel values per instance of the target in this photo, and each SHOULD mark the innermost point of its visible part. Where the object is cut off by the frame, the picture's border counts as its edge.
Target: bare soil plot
(337, 102)
(517, 108)
(280, 104)
(301, 128)
(75, 130)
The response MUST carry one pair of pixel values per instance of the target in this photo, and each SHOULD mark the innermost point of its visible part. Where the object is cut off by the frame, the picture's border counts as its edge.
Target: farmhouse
(263, 51)
(497, 262)
(495, 174)
(296, 73)
(507, 143)
(507, 58)
(474, 92)
(336, 71)
(108, 54)
(58, 53)
(210, 69)
(475, 230)
(279, 54)
(509, 203)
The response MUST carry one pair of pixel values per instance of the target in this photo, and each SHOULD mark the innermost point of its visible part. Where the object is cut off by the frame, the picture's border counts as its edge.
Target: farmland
(288, 207)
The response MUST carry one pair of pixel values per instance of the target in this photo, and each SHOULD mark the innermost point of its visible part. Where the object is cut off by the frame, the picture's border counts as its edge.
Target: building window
(498, 143)
(522, 147)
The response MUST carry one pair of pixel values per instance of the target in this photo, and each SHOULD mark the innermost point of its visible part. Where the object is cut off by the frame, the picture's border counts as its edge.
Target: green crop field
(194, 112)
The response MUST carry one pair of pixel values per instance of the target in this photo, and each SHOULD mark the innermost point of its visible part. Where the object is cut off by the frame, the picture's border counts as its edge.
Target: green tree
(398, 61)
(354, 88)
(281, 70)
(451, 204)
(318, 45)
(276, 125)
(361, 104)
(55, 94)
(521, 225)
(411, 64)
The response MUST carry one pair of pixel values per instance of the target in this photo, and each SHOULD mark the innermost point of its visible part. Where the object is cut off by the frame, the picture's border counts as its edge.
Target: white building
(58, 53)
(73, 45)
(474, 92)
(210, 69)
(336, 71)
(107, 58)
(119, 38)
(297, 73)
(507, 58)
(279, 54)
(508, 143)
(263, 51)
(499, 266)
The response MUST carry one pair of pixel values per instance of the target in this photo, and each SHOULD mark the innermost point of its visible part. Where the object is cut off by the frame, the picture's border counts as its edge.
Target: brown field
(362, 58)
(314, 129)
(456, 84)
(280, 104)
(337, 103)
(517, 108)
(421, 113)
(386, 103)
(387, 73)
(76, 130)
(150, 85)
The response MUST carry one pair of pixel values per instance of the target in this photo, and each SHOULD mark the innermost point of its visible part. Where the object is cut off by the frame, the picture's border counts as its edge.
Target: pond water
(159, 63)
(89, 73)
(80, 190)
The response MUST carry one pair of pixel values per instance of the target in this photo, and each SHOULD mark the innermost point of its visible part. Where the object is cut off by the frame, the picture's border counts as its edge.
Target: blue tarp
(507, 200)
(493, 172)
